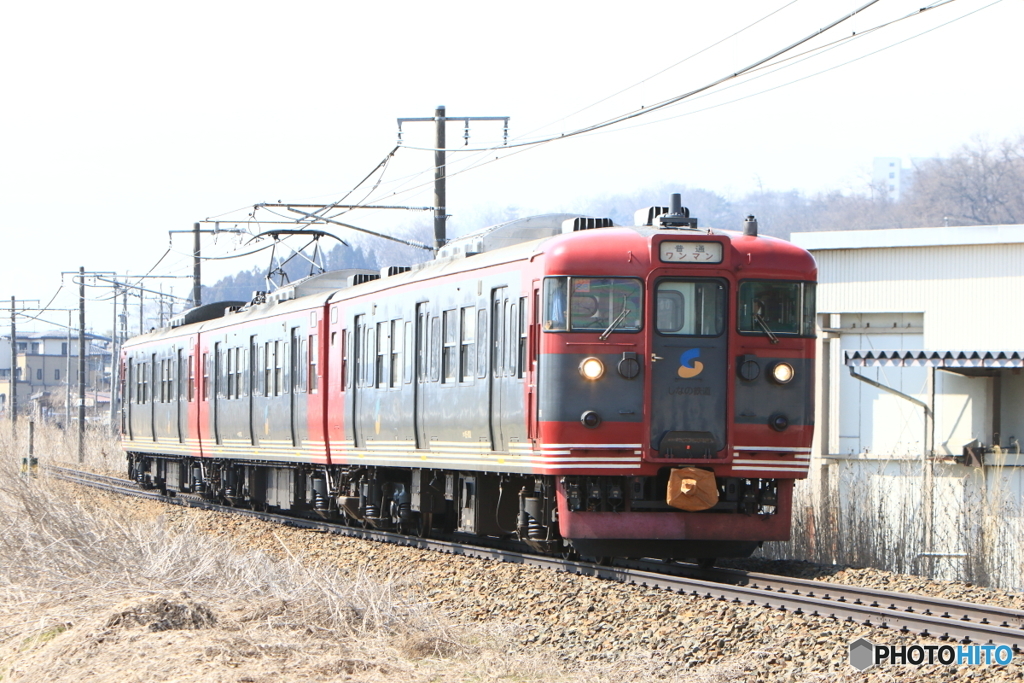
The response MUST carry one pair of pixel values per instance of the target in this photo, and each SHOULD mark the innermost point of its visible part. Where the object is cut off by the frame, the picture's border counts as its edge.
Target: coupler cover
(692, 489)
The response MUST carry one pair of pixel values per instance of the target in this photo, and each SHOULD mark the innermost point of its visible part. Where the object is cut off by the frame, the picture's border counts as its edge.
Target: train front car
(675, 387)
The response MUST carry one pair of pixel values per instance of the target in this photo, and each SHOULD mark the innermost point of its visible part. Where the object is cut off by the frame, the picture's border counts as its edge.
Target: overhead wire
(752, 68)
(594, 129)
(809, 76)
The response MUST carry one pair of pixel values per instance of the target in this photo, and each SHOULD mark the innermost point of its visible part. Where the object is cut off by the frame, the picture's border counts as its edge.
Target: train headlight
(591, 368)
(782, 373)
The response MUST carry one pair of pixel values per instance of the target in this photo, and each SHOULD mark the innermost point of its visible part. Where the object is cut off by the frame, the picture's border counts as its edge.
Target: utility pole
(197, 289)
(115, 365)
(15, 309)
(81, 364)
(67, 378)
(14, 365)
(440, 203)
(440, 200)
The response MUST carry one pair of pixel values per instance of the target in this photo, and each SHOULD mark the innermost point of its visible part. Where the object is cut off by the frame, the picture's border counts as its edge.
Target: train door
(359, 378)
(499, 366)
(689, 368)
(420, 375)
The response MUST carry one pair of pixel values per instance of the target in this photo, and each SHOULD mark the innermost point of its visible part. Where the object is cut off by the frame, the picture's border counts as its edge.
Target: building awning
(935, 359)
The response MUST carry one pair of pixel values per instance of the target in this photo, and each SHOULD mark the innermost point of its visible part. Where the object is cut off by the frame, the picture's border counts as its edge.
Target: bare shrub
(869, 513)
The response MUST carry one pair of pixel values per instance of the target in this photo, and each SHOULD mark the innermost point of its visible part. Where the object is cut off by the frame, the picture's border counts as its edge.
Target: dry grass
(96, 588)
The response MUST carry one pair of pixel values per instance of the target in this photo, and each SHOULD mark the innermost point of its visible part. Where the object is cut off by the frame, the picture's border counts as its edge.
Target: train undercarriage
(423, 502)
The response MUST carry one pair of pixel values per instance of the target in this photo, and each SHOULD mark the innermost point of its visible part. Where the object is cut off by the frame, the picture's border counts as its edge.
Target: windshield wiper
(767, 330)
(615, 323)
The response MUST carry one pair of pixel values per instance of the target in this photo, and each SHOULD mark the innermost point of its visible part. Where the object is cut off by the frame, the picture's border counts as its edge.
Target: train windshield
(771, 308)
(593, 304)
(692, 308)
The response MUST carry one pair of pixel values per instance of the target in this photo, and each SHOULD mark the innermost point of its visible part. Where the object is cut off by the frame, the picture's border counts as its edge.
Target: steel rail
(931, 617)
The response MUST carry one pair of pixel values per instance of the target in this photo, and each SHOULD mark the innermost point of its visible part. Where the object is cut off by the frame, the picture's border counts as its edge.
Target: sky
(123, 121)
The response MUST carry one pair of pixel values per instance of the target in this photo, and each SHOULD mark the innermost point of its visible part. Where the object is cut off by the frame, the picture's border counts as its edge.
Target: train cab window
(692, 308)
(593, 303)
(771, 308)
(555, 305)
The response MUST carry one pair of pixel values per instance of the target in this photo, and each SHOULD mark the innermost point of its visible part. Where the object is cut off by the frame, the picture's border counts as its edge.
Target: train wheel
(426, 523)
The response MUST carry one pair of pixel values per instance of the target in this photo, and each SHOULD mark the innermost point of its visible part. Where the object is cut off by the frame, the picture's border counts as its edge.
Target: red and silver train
(640, 391)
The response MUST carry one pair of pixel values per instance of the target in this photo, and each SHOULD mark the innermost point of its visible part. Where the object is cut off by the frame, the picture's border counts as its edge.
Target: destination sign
(691, 252)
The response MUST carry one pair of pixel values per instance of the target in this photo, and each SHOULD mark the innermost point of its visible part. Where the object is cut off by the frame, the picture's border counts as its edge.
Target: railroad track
(942, 619)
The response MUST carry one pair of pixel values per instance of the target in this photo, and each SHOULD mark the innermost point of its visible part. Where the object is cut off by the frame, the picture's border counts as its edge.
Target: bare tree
(980, 184)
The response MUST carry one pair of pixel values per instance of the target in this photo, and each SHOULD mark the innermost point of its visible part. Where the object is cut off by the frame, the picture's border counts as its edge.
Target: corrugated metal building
(921, 355)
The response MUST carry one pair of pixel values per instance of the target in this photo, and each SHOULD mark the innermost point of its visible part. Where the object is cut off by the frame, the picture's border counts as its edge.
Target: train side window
(467, 352)
(268, 369)
(243, 377)
(229, 366)
(278, 369)
(449, 358)
(497, 338)
(422, 343)
(481, 343)
(345, 344)
(383, 344)
(287, 362)
(369, 356)
(435, 348)
(513, 339)
(206, 377)
(522, 337)
(191, 378)
(131, 382)
(397, 344)
(314, 382)
(301, 363)
(409, 355)
(181, 380)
